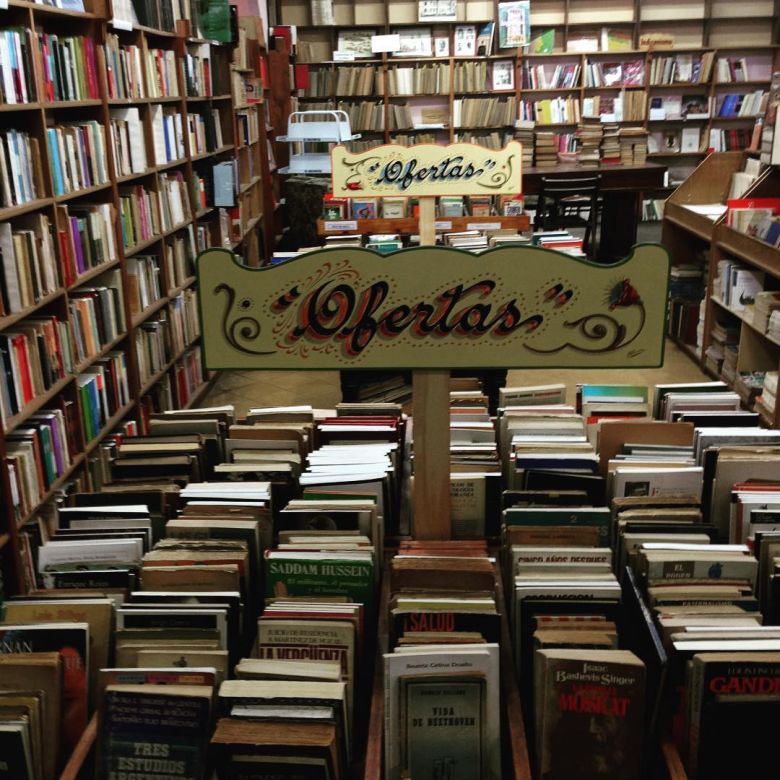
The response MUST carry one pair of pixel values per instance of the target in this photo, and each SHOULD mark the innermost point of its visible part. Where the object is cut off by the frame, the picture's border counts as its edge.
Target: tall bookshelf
(725, 31)
(139, 219)
(691, 236)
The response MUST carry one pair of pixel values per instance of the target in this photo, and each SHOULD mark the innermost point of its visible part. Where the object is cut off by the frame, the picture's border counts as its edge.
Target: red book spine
(89, 56)
(19, 343)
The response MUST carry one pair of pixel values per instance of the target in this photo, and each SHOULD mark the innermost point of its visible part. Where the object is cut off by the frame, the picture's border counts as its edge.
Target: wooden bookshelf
(697, 27)
(202, 226)
(688, 235)
(409, 225)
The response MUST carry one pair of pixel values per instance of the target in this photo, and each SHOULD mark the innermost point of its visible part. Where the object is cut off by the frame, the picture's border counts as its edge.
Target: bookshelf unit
(688, 235)
(101, 235)
(694, 29)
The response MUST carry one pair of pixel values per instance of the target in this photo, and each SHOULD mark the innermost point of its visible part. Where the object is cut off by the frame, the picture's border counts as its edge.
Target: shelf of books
(457, 72)
(268, 565)
(720, 230)
(111, 143)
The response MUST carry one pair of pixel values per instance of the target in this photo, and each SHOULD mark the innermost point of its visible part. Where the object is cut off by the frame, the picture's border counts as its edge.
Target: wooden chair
(562, 202)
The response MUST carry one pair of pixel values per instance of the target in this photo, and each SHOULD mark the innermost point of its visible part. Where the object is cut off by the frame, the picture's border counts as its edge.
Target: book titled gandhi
(443, 726)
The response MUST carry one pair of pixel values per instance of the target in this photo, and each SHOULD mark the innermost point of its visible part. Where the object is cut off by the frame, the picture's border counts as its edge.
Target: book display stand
(431, 309)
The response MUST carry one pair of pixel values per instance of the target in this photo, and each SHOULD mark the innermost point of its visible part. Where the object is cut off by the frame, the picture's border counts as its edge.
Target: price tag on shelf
(483, 226)
(349, 224)
(442, 224)
(343, 56)
(3, 4)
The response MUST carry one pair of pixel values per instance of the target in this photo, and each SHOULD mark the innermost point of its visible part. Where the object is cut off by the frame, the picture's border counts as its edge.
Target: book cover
(443, 726)
(154, 732)
(589, 714)
(71, 641)
(732, 695)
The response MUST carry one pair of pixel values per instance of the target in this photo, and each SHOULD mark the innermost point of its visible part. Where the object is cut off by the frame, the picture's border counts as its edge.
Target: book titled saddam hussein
(589, 714)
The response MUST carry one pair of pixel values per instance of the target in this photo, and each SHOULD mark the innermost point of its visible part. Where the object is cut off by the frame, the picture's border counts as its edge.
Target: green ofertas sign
(434, 307)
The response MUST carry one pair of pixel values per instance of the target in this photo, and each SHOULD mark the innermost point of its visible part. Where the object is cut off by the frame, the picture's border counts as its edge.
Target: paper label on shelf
(390, 43)
(442, 224)
(3, 4)
(117, 24)
(348, 224)
(483, 226)
(343, 56)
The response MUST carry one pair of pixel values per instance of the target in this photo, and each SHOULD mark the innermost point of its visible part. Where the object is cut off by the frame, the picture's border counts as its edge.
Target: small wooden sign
(427, 170)
(434, 308)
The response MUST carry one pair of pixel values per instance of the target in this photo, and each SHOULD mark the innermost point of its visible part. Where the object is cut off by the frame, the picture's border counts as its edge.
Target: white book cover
(429, 661)
(658, 482)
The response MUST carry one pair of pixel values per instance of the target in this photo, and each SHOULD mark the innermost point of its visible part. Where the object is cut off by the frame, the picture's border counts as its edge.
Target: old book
(589, 714)
(288, 669)
(730, 695)
(260, 693)
(170, 739)
(443, 730)
(256, 749)
(71, 641)
(97, 613)
(39, 672)
(472, 722)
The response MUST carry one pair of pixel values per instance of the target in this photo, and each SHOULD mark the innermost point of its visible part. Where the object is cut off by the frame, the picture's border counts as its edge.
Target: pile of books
(441, 674)
(589, 134)
(610, 145)
(524, 133)
(767, 400)
(633, 145)
(546, 149)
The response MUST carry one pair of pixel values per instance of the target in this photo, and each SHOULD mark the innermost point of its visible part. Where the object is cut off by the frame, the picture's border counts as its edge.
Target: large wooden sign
(433, 307)
(427, 170)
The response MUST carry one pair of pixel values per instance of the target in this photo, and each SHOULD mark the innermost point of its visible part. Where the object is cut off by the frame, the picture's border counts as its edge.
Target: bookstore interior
(360, 351)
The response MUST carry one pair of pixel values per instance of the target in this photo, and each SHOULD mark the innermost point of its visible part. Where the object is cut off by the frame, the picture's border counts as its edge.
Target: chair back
(554, 191)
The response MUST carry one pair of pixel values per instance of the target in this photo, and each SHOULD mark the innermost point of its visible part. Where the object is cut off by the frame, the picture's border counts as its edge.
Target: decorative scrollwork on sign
(501, 176)
(242, 329)
(427, 170)
(599, 326)
(433, 307)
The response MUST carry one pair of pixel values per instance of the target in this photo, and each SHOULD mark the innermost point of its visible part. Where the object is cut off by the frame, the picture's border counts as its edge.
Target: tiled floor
(321, 389)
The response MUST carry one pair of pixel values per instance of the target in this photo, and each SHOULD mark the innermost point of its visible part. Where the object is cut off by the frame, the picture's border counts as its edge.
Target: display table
(621, 186)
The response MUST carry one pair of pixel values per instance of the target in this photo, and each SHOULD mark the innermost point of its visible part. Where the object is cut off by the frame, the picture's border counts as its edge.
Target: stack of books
(546, 149)
(524, 133)
(610, 145)
(767, 401)
(442, 672)
(589, 134)
(633, 145)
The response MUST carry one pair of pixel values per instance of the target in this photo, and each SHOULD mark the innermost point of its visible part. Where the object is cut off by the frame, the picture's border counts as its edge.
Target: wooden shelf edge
(12, 423)
(202, 391)
(672, 760)
(410, 224)
(4, 539)
(84, 747)
(88, 276)
(12, 319)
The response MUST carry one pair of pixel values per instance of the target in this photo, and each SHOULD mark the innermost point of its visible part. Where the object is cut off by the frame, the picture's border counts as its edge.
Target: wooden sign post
(425, 171)
(432, 308)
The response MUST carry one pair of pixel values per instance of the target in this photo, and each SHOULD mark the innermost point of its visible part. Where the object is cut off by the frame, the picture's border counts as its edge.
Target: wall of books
(125, 149)
(695, 76)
